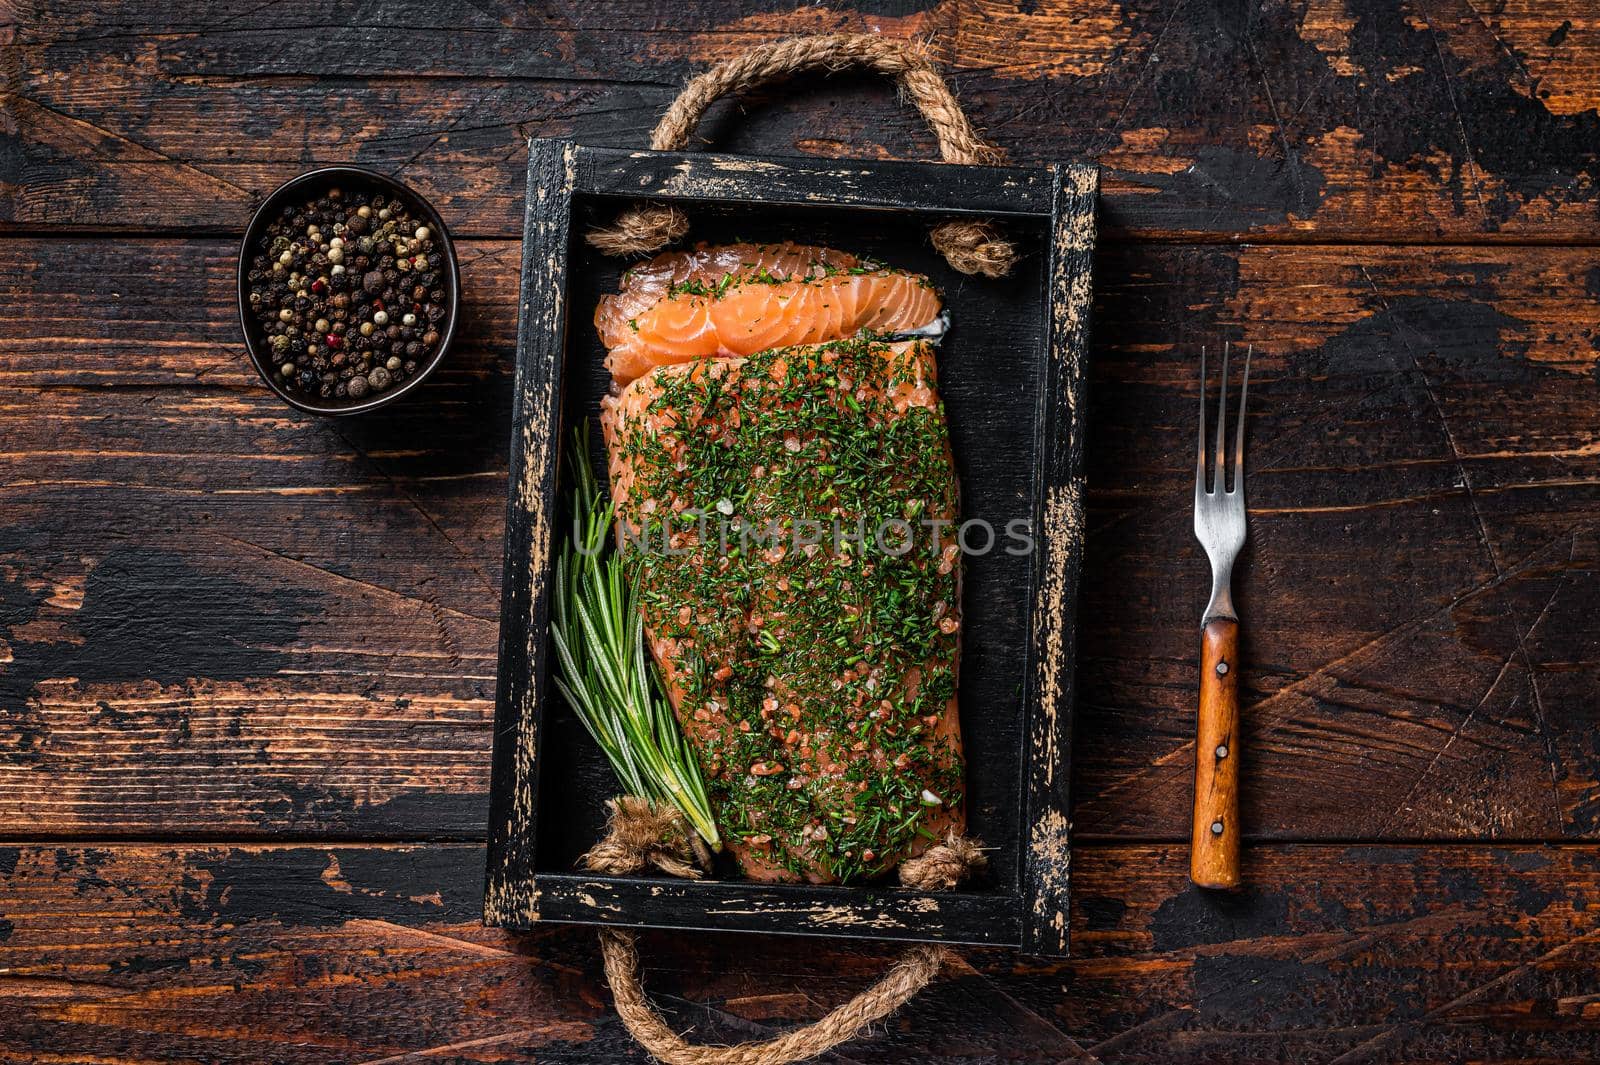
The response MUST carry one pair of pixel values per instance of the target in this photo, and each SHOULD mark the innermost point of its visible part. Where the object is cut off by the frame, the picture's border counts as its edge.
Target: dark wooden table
(247, 656)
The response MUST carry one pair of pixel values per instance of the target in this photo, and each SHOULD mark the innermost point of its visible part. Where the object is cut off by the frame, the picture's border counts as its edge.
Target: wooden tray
(1011, 376)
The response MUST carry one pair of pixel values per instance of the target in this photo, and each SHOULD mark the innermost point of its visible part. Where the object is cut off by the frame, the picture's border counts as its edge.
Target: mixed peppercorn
(350, 293)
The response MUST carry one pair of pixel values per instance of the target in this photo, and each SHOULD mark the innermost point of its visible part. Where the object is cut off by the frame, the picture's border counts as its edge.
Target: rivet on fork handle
(1214, 842)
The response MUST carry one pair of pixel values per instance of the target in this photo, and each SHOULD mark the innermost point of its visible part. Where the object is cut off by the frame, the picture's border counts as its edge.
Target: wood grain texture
(361, 953)
(1057, 518)
(868, 185)
(1320, 119)
(256, 624)
(1214, 829)
(222, 621)
(536, 446)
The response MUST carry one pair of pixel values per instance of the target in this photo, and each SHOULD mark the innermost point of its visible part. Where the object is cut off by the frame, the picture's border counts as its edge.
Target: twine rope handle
(915, 970)
(972, 247)
(903, 60)
(642, 835)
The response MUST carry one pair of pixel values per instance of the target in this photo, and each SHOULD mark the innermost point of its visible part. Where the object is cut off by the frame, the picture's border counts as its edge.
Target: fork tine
(1238, 439)
(1222, 426)
(1200, 453)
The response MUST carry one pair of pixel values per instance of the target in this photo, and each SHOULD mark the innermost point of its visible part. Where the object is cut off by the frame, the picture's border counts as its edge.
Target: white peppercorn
(380, 317)
(408, 319)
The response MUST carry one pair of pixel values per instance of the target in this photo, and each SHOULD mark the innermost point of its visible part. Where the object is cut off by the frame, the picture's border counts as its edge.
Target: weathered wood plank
(1324, 120)
(1426, 447)
(872, 186)
(221, 617)
(371, 953)
(1057, 515)
(535, 446)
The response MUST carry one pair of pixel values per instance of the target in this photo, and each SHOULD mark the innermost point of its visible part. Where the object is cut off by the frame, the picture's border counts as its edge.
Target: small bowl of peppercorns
(348, 290)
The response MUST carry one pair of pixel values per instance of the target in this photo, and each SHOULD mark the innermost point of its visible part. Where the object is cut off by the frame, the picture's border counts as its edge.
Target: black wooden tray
(1011, 376)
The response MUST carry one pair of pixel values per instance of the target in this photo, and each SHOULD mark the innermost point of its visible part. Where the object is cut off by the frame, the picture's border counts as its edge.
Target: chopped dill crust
(794, 662)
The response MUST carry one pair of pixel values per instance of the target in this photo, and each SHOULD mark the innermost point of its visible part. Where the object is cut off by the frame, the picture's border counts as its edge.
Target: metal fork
(1219, 524)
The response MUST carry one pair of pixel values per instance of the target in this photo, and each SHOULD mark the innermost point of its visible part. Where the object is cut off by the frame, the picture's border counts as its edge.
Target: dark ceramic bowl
(309, 186)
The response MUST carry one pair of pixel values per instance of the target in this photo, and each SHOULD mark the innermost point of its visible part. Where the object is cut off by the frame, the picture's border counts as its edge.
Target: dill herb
(815, 747)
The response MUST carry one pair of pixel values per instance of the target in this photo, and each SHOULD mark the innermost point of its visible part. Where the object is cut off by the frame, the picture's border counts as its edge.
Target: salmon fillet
(740, 299)
(655, 279)
(815, 680)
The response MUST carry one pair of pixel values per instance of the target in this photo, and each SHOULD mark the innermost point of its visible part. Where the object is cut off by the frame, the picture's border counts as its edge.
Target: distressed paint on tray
(1021, 902)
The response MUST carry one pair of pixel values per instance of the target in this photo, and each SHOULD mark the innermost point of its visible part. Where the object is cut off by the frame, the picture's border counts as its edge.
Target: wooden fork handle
(1214, 837)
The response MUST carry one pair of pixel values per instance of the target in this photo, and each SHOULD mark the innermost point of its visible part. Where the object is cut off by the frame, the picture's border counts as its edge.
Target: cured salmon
(793, 512)
(739, 299)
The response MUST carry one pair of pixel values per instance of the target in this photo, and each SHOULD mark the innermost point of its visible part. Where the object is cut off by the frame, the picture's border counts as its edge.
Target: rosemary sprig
(603, 668)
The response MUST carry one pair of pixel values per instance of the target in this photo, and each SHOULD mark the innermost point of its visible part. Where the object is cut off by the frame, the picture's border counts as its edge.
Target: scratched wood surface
(247, 657)
(1332, 118)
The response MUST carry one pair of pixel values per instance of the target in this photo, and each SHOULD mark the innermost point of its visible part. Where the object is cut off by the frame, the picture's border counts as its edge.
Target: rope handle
(915, 970)
(972, 247)
(642, 835)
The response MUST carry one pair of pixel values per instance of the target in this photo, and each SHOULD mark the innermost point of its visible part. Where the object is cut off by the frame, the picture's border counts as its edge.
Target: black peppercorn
(329, 295)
